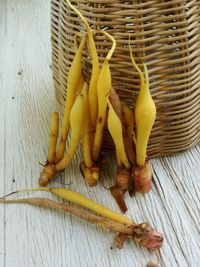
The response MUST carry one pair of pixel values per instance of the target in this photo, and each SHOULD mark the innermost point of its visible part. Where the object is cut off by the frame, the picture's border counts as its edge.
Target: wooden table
(32, 236)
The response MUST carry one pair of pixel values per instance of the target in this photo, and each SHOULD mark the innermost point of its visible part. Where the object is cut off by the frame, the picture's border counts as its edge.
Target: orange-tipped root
(143, 178)
(48, 173)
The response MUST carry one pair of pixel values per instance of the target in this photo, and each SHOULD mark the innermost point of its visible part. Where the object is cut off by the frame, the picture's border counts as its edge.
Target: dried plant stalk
(143, 233)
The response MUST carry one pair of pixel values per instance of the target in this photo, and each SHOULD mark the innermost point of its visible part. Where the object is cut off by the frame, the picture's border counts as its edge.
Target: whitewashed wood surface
(31, 236)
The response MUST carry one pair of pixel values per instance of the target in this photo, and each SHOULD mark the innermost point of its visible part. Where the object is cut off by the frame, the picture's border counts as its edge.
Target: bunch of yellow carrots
(88, 108)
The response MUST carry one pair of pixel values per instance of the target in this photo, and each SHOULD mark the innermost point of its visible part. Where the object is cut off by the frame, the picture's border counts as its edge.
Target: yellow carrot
(83, 201)
(95, 68)
(145, 114)
(53, 138)
(74, 76)
(86, 130)
(76, 122)
(103, 89)
(89, 169)
(115, 129)
(93, 82)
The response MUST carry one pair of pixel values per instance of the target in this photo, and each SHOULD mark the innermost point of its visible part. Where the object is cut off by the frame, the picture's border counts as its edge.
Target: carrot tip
(117, 194)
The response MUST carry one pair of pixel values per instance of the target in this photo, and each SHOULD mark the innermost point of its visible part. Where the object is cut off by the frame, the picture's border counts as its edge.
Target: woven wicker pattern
(165, 35)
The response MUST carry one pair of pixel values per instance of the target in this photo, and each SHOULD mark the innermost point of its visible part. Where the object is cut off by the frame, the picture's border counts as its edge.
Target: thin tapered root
(112, 39)
(143, 178)
(142, 80)
(123, 181)
(118, 195)
(53, 137)
(143, 233)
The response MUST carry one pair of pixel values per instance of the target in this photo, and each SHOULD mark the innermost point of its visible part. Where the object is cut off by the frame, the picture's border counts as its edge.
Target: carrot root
(123, 178)
(143, 233)
(53, 136)
(143, 178)
(118, 194)
(120, 239)
(123, 182)
(91, 174)
(48, 173)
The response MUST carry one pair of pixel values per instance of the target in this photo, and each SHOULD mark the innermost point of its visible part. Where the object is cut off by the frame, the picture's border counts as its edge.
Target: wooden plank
(180, 229)
(38, 237)
(3, 26)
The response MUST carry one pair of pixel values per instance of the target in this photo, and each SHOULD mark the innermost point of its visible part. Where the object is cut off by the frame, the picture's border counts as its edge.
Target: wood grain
(31, 236)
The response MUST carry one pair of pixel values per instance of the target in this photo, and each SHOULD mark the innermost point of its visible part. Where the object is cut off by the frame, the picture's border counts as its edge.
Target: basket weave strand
(165, 35)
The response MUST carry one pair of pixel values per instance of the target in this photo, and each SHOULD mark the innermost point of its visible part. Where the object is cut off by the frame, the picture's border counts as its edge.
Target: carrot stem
(143, 234)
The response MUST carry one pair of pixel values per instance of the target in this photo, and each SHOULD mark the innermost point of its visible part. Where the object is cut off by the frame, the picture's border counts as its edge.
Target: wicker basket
(165, 35)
